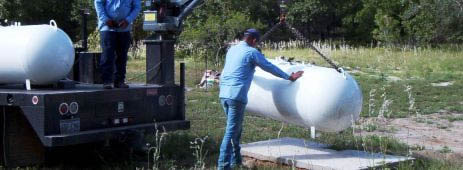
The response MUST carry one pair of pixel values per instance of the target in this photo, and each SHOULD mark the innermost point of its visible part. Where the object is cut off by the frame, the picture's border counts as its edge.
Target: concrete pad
(442, 84)
(312, 155)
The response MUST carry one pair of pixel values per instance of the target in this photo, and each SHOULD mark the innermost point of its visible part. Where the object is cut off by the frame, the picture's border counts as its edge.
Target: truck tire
(20, 144)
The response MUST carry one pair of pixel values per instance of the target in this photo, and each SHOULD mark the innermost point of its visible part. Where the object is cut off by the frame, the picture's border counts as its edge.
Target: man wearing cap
(115, 18)
(240, 63)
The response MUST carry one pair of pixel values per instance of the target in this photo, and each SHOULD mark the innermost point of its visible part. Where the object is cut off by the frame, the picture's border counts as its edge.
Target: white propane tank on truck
(43, 54)
(322, 98)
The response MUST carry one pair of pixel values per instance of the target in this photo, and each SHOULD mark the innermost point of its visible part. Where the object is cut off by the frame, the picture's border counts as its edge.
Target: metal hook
(53, 24)
(341, 70)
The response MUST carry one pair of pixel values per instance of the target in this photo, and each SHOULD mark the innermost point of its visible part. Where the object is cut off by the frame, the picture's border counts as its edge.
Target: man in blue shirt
(240, 64)
(115, 19)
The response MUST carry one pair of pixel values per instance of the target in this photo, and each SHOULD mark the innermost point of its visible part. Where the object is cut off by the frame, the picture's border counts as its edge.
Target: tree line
(355, 21)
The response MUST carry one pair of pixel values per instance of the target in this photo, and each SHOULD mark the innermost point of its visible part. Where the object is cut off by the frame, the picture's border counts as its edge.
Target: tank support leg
(312, 132)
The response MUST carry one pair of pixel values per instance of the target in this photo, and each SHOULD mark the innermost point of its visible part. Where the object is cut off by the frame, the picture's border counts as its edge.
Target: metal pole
(182, 74)
(182, 91)
(206, 69)
(84, 13)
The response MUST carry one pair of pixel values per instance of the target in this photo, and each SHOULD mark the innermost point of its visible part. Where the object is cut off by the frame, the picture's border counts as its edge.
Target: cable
(149, 70)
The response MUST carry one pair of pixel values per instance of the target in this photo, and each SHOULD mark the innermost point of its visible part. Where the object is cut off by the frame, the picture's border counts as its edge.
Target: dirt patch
(440, 132)
(453, 158)
(252, 163)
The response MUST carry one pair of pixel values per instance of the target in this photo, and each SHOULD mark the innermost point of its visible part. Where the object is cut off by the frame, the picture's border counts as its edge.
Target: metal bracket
(28, 84)
(341, 70)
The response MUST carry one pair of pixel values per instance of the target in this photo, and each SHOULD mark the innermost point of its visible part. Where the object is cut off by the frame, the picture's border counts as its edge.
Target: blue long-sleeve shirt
(116, 10)
(240, 63)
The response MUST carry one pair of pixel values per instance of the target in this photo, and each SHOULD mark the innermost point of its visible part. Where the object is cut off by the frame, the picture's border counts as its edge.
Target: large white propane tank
(44, 54)
(322, 98)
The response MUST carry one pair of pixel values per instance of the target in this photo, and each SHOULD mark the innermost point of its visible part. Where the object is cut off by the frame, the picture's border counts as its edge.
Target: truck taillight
(169, 100)
(74, 108)
(63, 108)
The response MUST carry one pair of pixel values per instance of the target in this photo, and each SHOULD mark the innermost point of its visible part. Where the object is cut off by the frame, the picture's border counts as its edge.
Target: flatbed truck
(79, 110)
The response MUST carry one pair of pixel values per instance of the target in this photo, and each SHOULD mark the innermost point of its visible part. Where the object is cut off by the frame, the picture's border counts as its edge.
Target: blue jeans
(230, 154)
(114, 44)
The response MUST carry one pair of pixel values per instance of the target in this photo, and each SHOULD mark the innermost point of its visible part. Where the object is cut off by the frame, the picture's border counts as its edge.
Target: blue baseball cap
(253, 33)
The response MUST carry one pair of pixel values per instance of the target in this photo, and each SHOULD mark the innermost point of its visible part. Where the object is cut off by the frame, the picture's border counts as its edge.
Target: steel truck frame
(80, 111)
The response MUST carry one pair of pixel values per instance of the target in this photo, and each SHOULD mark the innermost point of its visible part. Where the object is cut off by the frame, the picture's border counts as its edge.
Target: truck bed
(98, 112)
(80, 88)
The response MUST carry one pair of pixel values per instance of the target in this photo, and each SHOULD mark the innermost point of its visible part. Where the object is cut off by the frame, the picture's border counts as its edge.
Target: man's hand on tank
(296, 75)
(111, 23)
(123, 24)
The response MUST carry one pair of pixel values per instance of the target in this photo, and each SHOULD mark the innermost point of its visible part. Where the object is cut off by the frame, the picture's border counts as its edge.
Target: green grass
(454, 118)
(416, 68)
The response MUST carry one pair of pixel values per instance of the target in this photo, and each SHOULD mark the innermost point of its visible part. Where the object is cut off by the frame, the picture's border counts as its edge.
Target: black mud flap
(20, 144)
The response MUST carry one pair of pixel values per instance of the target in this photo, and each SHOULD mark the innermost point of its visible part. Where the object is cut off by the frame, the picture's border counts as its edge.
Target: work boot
(121, 85)
(107, 86)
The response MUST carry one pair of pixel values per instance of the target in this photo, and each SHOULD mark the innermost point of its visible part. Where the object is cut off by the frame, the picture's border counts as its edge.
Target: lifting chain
(298, 35)
(273, 29)
(305, 40)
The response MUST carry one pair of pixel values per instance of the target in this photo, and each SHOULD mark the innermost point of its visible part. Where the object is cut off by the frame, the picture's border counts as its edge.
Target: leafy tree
(211, 28)
(359, 21)
(65, 12)
(75, 16)
(435, 21)
(41, 12)
(264, 11)
(316, 18)
(325, 19)
(388, 21)
(2, 9)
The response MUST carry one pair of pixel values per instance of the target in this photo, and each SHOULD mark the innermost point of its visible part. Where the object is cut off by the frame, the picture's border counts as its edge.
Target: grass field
(396, 82)
(384, 74)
